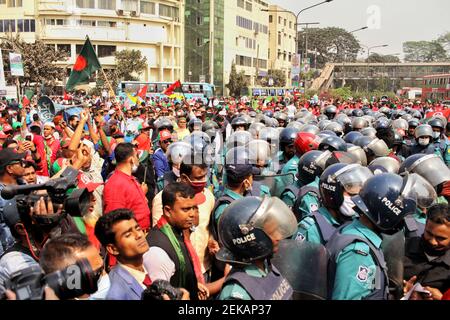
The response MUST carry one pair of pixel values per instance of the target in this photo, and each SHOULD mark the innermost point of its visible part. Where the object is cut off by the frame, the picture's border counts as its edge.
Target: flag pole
(109, 84)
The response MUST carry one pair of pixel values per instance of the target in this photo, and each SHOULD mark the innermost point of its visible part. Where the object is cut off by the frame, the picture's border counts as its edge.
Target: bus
(270, 91)
(192, 90)
(436, 87)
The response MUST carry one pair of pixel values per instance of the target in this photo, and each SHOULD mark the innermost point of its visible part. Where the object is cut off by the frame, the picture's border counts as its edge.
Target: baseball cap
(7, 127)
(165, 135)
(49, 124)
(84, 182)
(9, 155)
(240, 170)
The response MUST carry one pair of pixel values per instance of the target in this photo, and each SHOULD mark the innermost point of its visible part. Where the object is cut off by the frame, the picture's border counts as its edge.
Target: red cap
(84, 182)
(7, 127)
(165, 135)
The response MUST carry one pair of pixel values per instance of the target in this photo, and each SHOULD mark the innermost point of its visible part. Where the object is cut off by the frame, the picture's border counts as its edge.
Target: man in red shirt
(122, 190)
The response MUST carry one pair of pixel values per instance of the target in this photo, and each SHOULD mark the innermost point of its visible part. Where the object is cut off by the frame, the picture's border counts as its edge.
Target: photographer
(11, 168)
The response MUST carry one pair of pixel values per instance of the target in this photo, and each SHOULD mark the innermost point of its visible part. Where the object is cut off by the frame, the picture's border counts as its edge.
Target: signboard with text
(15, 61)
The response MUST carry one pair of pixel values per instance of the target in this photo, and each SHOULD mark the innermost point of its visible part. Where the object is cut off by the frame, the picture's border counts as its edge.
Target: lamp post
(368, 61)
(296, 18)
(345, 54)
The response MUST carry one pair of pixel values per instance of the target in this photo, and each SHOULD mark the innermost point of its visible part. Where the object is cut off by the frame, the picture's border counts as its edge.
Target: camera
(73, 281)
(159, 287)
(75, 204)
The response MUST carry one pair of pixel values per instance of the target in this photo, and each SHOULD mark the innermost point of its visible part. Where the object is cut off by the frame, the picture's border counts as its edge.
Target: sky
(390, 22)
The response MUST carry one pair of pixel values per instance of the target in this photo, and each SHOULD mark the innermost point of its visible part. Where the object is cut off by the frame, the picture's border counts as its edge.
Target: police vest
(326, 229)
(413, 228)
(271, 287)
(338, 243)
(225, 199)
(300, 193)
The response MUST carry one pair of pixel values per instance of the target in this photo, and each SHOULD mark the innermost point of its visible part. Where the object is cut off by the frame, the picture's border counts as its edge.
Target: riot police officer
(336, 186)
(250, 230)
(357, 264)
(440, 142)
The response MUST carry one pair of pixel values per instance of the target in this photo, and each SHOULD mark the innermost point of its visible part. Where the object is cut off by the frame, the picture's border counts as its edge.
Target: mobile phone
(28, 138)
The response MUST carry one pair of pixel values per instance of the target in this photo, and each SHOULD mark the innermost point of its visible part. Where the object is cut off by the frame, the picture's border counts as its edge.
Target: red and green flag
(85, 65)
(142, 92)
(174, 87)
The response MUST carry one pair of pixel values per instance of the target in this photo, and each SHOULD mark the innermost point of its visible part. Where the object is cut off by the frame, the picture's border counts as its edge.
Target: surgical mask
(198, 186)
(436, 135)
(347, 207)
(424, 141)
(103, 285)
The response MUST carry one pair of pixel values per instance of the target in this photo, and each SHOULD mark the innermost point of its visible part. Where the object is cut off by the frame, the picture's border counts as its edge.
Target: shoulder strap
(301, 193)
(326, 229)
(225, 199)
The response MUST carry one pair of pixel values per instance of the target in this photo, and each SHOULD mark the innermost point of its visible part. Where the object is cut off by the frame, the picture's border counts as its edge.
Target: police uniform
(357, 275)
(309, 228)
(261, 285)
(220, 208)
(290, 167)
(442, 149)
(310, 201)
(289, 194)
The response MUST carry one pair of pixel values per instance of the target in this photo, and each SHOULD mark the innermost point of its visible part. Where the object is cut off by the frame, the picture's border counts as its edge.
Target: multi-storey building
(153, 27)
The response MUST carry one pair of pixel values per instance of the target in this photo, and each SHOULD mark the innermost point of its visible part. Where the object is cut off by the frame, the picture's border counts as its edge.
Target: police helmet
(255, 129)
(352, 136)
(249, 228)
(287, 137)
(338, 178)
(429, 166)
(437, 123)
(260, 152)
(239, 122)
(390, 164)
(208, 125)
(335, 127)
(358, 153)
(323, 123)
(308, 168)
(295, 124)
(163, 123)
(270, 135)
(305, 142)
(382, 123)
(238, 138)
(268, 113)
(385, 199)
(195, 124)
(332, 143)
(177, 150)
(417, 114)
(369, 132)
(310, 128)
(330, 111)
(423, 130)
(359, 123)
(413, 123)
(400, 124)
(357, 113)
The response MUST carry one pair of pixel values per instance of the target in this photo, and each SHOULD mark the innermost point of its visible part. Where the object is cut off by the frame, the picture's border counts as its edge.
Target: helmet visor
(352, 177)
(177, 151)
(379, 148)
(421, 190)
(322, 159)
(432, 168)
(275, 218)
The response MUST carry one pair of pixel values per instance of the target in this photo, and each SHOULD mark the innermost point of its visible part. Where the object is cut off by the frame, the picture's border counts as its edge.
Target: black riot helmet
(287, 137)
(308, 168)
(437, 123)
(338, 178)
(352, 136)
(249, 227)
(387, 198)
(239, 122)
(357, 113)
(163, 124)
(195, 124)
(333, 143)
(330, 112)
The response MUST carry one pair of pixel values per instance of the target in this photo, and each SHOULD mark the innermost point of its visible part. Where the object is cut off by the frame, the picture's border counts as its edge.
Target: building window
(279, 20)
(86, 4)
(199, 42)
(270, 19)
(168, 11)
(20, 25)
(290, 24)
(25, 25)
(9, 26)
(106, 51)
(64, 47)
(241, 3)
(199, 20)
(244, 23)
(130, 5)
(78, 48)
(110, 24)
(285, 22)
(243, 61)
(148, 7)
(107, 4)
(14, 3)
(86, 23)
(279, 39)
(248, 6)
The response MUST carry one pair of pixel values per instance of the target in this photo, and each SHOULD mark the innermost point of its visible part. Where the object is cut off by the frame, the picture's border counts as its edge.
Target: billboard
(15, 61)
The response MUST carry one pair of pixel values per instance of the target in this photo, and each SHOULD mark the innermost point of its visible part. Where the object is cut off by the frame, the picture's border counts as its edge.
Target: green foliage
(332, 44)
(38, 60)
(343, 93)
(424, 51)
(378, 58)
(238, 82)
(278, 76)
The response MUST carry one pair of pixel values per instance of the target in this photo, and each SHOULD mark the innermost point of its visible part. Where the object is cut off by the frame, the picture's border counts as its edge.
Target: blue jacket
(123, 285)
(160, 162)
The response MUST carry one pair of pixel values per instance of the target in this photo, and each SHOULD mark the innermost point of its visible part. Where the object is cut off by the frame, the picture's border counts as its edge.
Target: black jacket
(435, 273)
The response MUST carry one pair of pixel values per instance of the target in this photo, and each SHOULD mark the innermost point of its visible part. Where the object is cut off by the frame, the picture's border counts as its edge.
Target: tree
(378, 58)
(238, 81)
(38, 61)
(444, 40)
(129, 65)
(424, 51)
(278, 77)
(332, 44)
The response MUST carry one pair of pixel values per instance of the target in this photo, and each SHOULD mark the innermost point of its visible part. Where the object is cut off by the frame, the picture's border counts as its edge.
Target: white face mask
(436, 135)
(347, 207)
(135, 167)
(424, 141)
(103, 285)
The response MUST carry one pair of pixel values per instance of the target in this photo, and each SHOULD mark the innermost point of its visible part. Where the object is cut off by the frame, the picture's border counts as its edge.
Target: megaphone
(47, 109)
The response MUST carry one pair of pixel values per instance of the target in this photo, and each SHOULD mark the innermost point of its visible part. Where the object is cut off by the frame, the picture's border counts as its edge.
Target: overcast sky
(399, 20)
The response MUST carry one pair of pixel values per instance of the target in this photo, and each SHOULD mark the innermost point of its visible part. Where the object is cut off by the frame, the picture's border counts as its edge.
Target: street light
(363, 28)
(368, 60)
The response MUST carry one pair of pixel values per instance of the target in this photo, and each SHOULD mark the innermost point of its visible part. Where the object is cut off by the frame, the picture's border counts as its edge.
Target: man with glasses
(159, 157)
(11, 169)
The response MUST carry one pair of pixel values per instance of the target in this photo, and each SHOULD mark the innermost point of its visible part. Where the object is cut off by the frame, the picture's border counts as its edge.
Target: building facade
(153, 27)
(282, 27)
(240, 33)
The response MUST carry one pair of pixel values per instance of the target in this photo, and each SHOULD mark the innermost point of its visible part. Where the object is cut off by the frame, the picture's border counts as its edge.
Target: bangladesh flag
(85, 65)
(174, 87)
